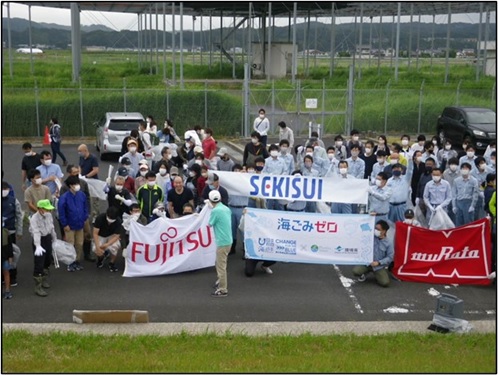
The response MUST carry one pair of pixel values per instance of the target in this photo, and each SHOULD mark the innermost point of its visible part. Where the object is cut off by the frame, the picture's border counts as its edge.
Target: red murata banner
(455, 256)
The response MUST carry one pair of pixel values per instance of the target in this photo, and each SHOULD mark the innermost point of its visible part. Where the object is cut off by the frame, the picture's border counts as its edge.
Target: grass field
(398, 353)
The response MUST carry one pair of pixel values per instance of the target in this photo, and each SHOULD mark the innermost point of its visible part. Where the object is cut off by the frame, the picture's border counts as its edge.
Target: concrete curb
(249, 328)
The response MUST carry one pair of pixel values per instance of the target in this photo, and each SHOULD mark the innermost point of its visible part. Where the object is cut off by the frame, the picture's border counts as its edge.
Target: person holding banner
(237, 204)
(378, 198)
(276, 166)
(221, 221)
(342, 208)
(400, 186)
(383, 255)
(148, 195)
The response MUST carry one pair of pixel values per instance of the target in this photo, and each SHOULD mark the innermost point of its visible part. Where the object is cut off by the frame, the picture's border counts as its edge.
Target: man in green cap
(41, 227)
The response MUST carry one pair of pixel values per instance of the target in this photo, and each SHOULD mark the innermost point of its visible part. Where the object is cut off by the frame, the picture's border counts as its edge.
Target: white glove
(300, 149)
(108, 180)
(431, 208)
(455, 210)
(439, 207)
(119, 198)
(185, 167)
(371, 189)
(471, 209)
(127, 202)
(39, 251)
(417, 200)
(135, 217)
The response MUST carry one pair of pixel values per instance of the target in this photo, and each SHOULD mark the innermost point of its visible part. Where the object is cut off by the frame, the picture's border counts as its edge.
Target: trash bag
(440, 220)
(65, 252)
(419, 216)
(241, 223)
(452, 324)
(17, 255)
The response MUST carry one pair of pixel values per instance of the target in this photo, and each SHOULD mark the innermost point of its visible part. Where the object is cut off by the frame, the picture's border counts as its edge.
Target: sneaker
(267, 270)
(361, 278)
(71, 267)
(78, 266)
(100, 262)
(216, 284)
(107, 254)
(7, 295)
(113, 268)
(219, 293)
(13, 283)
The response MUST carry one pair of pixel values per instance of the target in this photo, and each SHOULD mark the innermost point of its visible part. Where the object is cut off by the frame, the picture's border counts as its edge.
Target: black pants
(251, 266)
(264, 140)
(56, 150)
(43, 261)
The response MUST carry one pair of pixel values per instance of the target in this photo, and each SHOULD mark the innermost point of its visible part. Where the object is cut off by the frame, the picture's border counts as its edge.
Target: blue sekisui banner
(300, 188)
(308, 237)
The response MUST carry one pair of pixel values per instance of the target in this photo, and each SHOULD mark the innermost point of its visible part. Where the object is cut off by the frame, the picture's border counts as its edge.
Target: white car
(113, 128)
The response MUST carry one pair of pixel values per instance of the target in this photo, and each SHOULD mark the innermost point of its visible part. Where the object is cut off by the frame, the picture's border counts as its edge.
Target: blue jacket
(73, 210)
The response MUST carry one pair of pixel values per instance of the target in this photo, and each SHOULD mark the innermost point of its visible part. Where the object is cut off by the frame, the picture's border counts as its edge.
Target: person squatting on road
(41, 227)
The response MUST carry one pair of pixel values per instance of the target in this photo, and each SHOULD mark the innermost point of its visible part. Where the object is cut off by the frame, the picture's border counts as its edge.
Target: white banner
(308, 237)
(328, 189)
(167, 246)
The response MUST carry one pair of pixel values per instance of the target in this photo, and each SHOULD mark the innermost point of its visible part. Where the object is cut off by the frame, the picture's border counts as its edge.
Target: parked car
(113, 128)
(474, 123)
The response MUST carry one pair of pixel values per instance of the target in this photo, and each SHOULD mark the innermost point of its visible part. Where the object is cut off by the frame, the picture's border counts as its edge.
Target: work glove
(39, 251)
(185, 167)
(455, 210)
(471, 209)
(119, 198)
(431, 208)
(417, 200)
(108, 181)
(439, 207)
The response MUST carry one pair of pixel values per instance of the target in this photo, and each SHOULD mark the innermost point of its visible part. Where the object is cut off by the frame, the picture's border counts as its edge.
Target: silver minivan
(113, 128)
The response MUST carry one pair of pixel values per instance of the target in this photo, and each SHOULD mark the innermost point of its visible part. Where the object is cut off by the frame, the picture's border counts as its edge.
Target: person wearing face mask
(341, 152)
(140, 180)
(118, 196)
(36, 192)
(492, 161)
(450, 174)
(133, 154)
(254, 149)
(106, 238)
(469, 157)
(308, 169)
(437, 194)
(187, 150)
(320, 164)
(342, 208)
(378, 197)
(225, 163)
(286, 156)
(379, 166)
(89, 168)
(419, 146)
(356, 164)
(446, 153)
(488, 191)
(50, 172)
(41, 227)
(418, 171)
(162, 175)
(148, 195)
(410, 218)
(382, 145)
(73, 212)
(383, 255)
(192, 183)
(424, 179)
(12, 217)
(369, 158)
(262, 126)
(429, 153)
(213, 183)
(489, 150)
(355, 140)
(436, 143)
(285, 133)
(56, 140)
(30, 160)
(480, 173)
(276, 166)
(406, 151)
(209, 146)
(400, 187)
(333, 168)
(393, 160)
(135, 136)
(465, 192)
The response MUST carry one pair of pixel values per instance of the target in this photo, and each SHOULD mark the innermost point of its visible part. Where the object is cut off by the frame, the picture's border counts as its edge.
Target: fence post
(387, 106)
(246, 100)
(323, 107)
(493, 96)
(37, 108)
(458, 93)
(349, 110)
(205, 104)
(124, 94)
(273, 103)
(421, 95)
(167, 102)
(81, 109)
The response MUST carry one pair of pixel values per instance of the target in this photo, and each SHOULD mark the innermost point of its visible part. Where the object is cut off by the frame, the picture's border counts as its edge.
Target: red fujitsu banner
(455, 256)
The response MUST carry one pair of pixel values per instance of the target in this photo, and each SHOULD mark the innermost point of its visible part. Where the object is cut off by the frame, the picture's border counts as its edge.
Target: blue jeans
(463, 216)
(56, 149)
(341, 208)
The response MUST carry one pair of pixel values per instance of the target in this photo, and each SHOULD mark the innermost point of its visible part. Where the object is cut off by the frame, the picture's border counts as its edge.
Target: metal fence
(25, 111)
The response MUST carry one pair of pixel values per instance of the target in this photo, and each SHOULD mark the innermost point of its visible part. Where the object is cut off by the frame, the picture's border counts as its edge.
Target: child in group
(410, 218)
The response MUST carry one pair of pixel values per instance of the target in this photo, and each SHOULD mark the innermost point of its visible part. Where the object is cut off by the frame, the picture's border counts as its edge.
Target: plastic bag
(65, 252)
(440, 220)
(322, 207)
(452, 324)
(17, 255)
(241, 223)
(420, 217)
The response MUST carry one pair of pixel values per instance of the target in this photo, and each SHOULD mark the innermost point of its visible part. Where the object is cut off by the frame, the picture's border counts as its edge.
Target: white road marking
(346, 283)
(433, 292)
(396, 310)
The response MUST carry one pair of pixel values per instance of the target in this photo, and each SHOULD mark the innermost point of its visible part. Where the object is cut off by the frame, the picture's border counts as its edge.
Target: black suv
(476, 124)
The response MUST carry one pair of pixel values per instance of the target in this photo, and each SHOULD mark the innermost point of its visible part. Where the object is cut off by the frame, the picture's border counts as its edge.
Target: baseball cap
(126, 161)
(123, 172)
(143, 161)
(409, 213)
(132, 140)
(45, 204)
(222, 151)
(173, 171)
(211, 178)
(198, 150)
(143, 167)
(214, 196)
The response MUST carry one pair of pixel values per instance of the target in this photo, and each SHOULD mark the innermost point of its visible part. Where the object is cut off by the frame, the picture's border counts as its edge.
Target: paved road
(294, 293)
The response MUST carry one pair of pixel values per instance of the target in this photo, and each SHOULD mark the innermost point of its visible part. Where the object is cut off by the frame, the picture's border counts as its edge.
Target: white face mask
(331, 156)
(436, 178)
(198, 162)
(38, 181)
(316, 148)
(377, 233)
(343, 170)
(453, 167)
(132, 149)
(284, 150)
(493, 161)
(250, 171)
(470, 154)
(27, 153)
(143, 173)
(169, 156)
(355, 138)
(368, 150)
(192, 174)
(151, 183)
(378, 182)
(380, 161)
(464, 172)
(163, 171)
(419, 158)
(394, 161)
(110, 221)
(309, 153)
(434, 142)
(482, 167)
(254, 141)
(447, 147)
(76, 187)
(274, 153)
(119, 187)
(48, 162)
(261, 116)
(404, 142)
(408, 221)
(5, 193)
(338, 143)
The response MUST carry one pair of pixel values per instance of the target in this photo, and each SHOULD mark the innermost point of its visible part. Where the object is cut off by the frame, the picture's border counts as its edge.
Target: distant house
(490, 63)
(34, 51)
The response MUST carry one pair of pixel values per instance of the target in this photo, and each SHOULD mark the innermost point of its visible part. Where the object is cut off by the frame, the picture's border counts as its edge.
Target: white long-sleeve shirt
(40, 226)
(262, 126)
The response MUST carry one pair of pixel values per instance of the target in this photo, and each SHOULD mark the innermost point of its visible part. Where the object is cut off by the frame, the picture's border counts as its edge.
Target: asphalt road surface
(295, 292)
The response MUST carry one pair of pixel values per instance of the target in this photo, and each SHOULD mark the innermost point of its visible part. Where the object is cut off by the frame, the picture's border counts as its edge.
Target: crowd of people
(160, 175)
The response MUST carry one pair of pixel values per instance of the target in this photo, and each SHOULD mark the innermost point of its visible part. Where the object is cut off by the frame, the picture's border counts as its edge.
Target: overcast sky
(119, 21)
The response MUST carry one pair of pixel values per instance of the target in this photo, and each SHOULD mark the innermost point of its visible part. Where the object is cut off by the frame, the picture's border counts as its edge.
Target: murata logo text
(446, 253)
(286, 187)
(169, 247)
